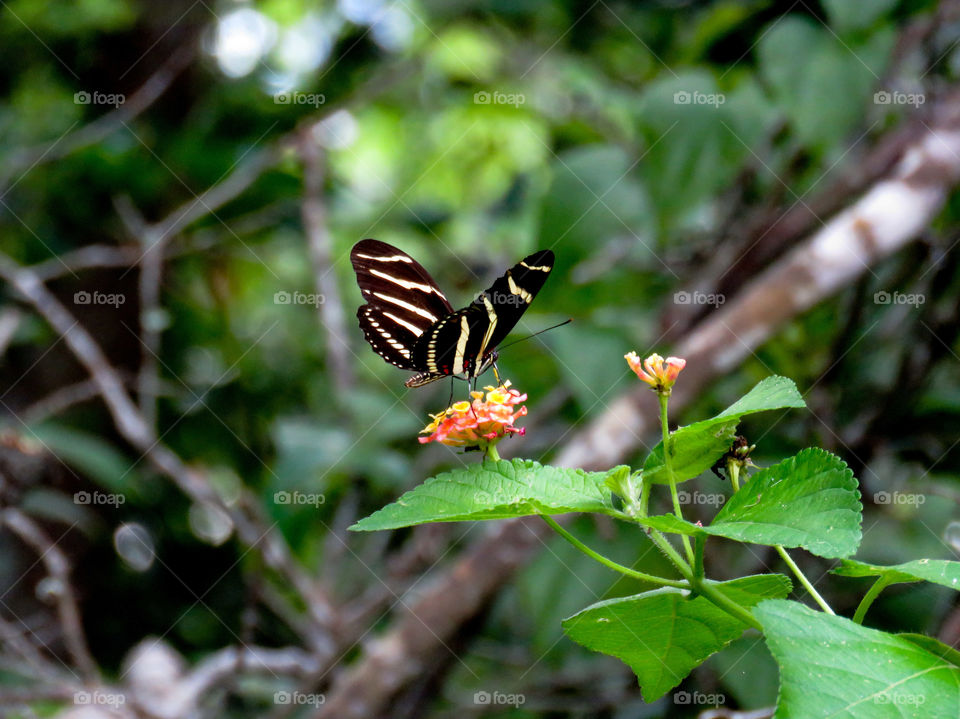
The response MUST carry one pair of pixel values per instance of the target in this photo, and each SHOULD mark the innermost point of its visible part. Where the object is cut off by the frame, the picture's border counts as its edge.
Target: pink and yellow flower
(656, 371)
(479, 422)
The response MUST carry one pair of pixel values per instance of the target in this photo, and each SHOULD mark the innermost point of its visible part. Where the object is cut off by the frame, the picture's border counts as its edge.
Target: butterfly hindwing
(452, 345)
(392, 341)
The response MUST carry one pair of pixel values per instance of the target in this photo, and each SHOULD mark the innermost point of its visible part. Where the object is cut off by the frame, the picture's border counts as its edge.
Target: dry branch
(58, 568)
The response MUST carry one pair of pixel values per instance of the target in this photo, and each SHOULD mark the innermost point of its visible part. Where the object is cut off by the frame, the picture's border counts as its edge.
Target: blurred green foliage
(596, 156)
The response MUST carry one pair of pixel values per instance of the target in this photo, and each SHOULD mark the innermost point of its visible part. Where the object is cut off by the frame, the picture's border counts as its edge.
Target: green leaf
(846, 16)
(939, 571)
(832, 667)
(97, 459)
(698, 138)
(664, 634)
(809, 500)
(696, 447)
(934, 646)
(495, 490)
(822, 97)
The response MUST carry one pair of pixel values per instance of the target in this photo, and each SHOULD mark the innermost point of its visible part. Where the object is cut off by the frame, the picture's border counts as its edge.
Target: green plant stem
(644, 497)
(698, 546)
(492, 452)
(868, 598)
(727, 604)
(668, 464)
(605, 561)
(672, 554)
(701, 586)
(803, 580)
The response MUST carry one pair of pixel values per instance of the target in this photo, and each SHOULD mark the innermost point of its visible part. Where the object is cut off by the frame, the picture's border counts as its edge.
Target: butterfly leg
(450, 401)
(496, 375)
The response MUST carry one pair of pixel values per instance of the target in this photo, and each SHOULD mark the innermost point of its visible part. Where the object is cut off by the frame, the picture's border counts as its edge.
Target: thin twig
(313, 212)
(58, 567)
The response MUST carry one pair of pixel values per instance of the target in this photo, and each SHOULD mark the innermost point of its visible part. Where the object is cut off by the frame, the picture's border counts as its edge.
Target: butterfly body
(408, 321)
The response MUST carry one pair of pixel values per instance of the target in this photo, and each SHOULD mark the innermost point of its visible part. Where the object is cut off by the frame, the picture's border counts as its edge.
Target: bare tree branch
(133, 427)
(86, 258)
(58, 567)
(319, 242)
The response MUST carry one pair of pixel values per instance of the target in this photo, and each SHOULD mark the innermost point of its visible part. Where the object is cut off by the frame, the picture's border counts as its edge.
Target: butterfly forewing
(393, 281)
(512, 293)
(460, 344)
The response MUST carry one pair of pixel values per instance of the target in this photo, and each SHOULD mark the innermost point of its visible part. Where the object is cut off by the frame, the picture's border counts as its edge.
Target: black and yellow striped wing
(465, 342)
(403, 300)
(512, 293)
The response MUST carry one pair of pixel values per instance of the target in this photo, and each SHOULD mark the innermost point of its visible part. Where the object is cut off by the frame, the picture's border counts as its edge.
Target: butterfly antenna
(503, 347)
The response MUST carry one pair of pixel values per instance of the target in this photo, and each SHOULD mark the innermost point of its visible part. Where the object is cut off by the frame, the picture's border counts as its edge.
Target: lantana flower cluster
(482, 421)
(656, 371)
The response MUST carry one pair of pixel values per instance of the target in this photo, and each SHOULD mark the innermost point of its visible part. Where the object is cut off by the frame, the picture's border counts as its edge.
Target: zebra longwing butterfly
(408, 321)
